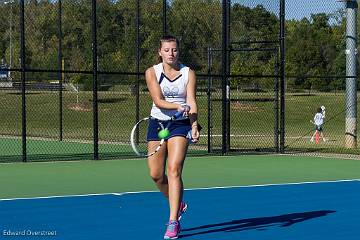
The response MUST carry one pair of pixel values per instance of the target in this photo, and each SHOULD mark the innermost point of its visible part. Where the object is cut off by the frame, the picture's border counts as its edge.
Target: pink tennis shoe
(172, 230)
(173, 227)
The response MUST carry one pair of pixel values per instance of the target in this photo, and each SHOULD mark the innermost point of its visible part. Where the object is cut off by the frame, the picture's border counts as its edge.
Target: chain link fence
(72, 74)
(316, 70)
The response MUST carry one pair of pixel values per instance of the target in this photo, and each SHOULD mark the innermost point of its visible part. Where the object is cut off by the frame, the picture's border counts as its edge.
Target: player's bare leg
(177, 152)
(157, 164)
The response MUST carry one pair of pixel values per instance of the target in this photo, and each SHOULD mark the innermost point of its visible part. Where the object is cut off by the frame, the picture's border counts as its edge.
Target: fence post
(137, 88)
(60, 73)
(228, 65)
(95, 88)
(282, 75)
(23, 79)
(225, 83)
(209, 99)
(351, 75)
(276, 102)
(164, 17)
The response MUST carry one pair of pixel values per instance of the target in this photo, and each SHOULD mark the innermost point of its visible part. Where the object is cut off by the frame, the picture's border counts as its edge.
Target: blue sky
(296, 9)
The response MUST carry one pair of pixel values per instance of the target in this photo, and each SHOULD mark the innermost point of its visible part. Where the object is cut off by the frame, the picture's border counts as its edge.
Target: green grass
(252, 117)
(85, 177)
(49, 150)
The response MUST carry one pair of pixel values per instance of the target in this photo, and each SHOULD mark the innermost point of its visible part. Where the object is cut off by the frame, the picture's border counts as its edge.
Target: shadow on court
(261, 223)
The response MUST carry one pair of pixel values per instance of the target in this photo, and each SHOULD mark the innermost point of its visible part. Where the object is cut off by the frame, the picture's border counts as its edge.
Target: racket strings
(138, 137)
(139, 141)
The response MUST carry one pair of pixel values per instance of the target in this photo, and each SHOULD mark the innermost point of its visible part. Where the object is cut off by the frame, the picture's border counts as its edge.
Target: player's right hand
(184, 108)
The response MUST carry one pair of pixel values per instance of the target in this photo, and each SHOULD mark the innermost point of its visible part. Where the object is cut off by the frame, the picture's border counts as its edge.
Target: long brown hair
(166, 38)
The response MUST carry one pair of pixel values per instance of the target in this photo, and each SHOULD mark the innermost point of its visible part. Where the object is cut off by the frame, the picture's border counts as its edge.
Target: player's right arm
(156, 94)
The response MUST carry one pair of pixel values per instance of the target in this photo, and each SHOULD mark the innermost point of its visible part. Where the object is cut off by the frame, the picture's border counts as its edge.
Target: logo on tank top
(170, 92)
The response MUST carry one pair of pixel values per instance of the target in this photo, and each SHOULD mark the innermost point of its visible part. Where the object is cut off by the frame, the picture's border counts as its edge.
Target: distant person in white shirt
(318, 122)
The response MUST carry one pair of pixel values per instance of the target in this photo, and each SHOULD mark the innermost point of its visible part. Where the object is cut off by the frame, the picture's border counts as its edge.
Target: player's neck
(171, 67)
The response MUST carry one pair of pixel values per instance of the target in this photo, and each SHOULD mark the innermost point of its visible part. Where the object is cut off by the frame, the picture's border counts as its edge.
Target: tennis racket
(139, 133)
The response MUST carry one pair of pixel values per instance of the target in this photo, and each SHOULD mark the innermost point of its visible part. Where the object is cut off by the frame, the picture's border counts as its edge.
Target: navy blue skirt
(176, 128)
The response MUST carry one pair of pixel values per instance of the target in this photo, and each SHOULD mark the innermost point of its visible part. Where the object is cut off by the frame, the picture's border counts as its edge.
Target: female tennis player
(172, 87)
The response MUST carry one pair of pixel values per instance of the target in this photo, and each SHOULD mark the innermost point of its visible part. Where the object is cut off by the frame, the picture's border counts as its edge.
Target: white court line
(58, 196)
(189, 189)
(250, 186)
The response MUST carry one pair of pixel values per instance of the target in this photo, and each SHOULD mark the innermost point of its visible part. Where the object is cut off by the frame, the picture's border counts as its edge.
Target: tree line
(314, 46)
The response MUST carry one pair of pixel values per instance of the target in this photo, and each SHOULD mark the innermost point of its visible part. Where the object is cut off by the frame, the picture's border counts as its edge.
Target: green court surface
(46, 149)
(41, 179)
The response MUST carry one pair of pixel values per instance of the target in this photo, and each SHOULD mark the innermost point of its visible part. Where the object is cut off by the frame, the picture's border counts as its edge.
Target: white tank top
(174, 90)
(319, 119)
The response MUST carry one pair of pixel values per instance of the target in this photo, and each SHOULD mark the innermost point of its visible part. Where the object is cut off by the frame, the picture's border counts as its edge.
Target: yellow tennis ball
(164, 133)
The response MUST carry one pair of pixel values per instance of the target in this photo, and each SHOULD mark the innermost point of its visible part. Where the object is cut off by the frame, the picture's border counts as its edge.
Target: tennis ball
(164, 133)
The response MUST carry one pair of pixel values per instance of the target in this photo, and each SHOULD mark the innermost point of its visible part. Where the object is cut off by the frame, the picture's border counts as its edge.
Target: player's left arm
(191, 101)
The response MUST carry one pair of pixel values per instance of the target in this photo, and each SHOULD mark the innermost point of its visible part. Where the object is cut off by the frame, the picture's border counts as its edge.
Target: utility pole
(351, 74)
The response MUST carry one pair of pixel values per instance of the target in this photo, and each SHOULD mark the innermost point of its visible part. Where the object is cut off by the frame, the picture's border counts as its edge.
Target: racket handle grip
(186, 107)
(189, 136)
(179, 114)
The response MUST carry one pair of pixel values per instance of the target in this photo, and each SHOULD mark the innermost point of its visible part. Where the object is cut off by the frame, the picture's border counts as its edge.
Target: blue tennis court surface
(328, 210)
